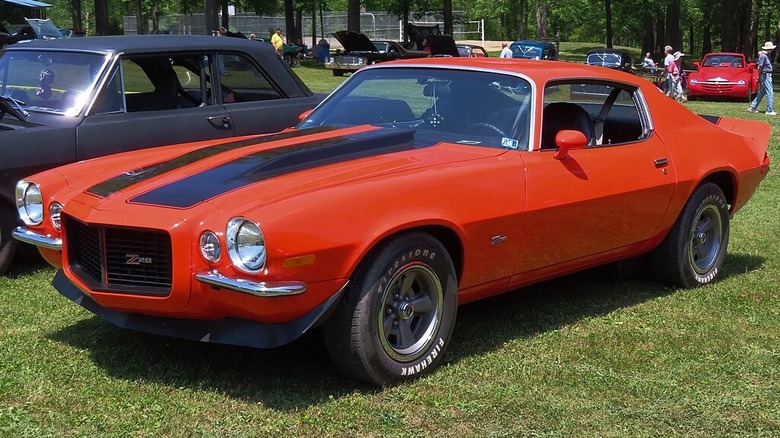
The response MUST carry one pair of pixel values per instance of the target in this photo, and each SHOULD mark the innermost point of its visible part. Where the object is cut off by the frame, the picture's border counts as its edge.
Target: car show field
(594, 353)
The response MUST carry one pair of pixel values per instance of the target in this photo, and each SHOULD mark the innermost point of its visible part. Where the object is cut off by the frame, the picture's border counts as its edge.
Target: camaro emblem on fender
(135, 259)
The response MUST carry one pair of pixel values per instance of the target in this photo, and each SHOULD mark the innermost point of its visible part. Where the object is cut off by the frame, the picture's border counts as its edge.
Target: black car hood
(442, 45)
(354, 41)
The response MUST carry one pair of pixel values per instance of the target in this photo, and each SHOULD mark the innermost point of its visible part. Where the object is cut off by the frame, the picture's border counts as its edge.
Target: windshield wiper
(7, 104)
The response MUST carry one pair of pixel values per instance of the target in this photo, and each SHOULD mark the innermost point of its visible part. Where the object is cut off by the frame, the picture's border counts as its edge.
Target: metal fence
(376, 25)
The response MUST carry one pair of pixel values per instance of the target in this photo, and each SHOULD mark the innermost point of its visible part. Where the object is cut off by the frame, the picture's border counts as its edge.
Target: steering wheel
(483, 128)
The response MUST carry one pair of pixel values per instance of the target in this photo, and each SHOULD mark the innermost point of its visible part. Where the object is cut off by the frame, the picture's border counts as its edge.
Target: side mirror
(305, 114)
(751, 66)
(696, 64)
(569, 139)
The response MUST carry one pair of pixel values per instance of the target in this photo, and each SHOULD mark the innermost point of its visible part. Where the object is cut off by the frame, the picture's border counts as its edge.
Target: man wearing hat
(764, 80)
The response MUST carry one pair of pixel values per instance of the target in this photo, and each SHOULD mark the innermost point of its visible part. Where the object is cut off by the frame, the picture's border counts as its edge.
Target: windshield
(457, 106)
(604, 59)
(526, 51)
(51, 82)
(45, 28)
(723, 61)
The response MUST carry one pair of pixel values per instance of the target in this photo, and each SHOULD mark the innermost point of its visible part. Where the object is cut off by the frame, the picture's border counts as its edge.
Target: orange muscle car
(415, 186)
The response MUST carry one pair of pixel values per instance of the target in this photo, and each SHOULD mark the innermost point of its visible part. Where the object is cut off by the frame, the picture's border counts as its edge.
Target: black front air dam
(230, 331)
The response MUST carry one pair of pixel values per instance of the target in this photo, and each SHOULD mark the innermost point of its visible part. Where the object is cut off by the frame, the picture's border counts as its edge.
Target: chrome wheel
(411, 312)
(706, 239)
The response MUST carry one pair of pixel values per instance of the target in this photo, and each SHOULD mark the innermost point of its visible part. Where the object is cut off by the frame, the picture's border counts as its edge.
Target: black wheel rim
(410, 312)
(706, 239)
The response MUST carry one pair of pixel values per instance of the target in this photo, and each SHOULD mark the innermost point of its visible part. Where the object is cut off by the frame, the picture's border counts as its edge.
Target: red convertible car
(415, 186)
(723, 75)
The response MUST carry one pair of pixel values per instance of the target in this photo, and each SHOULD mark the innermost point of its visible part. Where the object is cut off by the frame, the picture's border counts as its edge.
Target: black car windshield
(525, 51)
(51, 82)
(604, 59)
(457, 106)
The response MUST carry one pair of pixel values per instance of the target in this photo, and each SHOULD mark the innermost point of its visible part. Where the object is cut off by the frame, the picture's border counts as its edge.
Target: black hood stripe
(253, 168)
(136, 176)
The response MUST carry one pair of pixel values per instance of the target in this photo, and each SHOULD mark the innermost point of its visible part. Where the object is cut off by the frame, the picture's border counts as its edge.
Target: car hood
(719, 73)
(258, 169)
(354, 41)
(442, 45)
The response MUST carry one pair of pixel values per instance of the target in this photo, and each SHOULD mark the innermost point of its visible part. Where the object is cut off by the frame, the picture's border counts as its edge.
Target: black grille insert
(119, 259)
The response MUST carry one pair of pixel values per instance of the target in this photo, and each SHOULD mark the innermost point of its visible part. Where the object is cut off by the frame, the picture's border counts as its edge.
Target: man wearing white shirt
(506, 52)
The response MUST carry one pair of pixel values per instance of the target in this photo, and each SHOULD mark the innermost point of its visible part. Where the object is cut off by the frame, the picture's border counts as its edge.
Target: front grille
(714, 87)
(119, 259)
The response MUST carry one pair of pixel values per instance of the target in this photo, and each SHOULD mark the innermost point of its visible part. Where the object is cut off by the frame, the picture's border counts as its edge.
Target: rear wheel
(693, 252)
(397, 318)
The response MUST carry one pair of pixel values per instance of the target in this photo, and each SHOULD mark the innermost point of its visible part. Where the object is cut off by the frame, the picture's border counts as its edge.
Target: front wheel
(397, 317)
(7, 243)
(693, 252)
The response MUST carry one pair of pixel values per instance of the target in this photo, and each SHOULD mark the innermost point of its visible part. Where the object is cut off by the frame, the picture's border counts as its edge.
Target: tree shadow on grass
(300, 374)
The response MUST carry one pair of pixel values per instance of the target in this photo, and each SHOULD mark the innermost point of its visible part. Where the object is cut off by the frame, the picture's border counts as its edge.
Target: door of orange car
(605, 199)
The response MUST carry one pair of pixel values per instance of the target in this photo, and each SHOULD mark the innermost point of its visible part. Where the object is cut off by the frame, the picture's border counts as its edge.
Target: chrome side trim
(24, 235)
(258, 289)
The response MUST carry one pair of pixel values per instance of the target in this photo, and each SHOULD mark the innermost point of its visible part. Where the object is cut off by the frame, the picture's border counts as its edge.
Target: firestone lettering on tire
(425, 362)
(423, 253)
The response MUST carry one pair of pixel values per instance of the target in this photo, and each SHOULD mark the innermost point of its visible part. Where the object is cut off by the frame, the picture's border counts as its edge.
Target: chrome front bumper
(22, 234)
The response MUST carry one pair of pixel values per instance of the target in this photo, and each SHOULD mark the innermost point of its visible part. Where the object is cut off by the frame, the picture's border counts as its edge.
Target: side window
(241, 80)
(150, 84)
(608, 114)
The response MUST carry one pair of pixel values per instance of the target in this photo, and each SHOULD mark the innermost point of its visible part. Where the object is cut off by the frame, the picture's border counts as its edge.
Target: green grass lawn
(586, 355)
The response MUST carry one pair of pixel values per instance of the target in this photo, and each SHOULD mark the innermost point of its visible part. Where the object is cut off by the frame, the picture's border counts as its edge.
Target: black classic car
(359, 52)
(616, 59)
(33, 29)
(77, 98)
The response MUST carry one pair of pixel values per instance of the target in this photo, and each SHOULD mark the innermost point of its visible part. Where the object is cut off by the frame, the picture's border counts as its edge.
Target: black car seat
(558, 116)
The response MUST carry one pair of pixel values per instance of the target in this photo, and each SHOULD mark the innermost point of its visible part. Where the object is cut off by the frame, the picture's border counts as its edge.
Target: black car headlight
(246, 244)
(29, 202)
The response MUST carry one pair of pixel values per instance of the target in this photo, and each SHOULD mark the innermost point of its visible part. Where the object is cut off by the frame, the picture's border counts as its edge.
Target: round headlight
(29, 202)
(246, 244)
(209, 247)
(694, 81)
(55, 213)
(741, 83)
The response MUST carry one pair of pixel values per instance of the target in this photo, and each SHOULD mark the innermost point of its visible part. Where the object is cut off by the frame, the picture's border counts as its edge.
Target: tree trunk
(608, 19)
(353, 15)
(101, 17)
(673, 30)
(447, 17)
(225, 16)
(75, 15)
(522, 6)
(298, 26)
(289, 20)
(211, 16)
(141, 26)
(706, 40)
(540, 9)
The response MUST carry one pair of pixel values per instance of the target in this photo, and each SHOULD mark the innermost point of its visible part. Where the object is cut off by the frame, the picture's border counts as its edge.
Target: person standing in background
(506, 52)
(764, 80)
(668, 59)
(277, 41)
